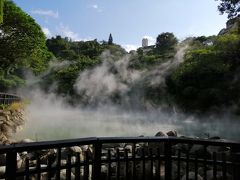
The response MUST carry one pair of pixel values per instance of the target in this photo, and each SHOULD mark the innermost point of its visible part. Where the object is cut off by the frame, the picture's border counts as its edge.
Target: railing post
(11, 165)
(96, 171)
(168, 160)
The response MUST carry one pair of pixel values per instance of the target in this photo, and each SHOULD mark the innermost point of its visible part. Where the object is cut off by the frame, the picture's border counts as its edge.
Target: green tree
(201, 83)
(22, 43)
(110, 39)
(1, 11)
(21, 40)
(231, 7)
(91, 49)
(58, 44)
(165, 42)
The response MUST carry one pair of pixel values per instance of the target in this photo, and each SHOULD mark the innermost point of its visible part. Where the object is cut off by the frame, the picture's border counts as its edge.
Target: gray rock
(2, 170)
(172, 133)
(75, 149)
(198, 150)
(191, 176)
(218, 175)
(160, 133)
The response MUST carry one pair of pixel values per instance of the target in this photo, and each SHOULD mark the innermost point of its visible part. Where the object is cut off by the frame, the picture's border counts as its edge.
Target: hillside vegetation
(207, 80)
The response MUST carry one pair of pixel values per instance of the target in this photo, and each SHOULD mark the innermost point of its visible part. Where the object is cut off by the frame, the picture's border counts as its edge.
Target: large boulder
(172, 133)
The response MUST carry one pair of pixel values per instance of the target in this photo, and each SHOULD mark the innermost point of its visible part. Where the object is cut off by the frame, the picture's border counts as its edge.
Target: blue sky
(128, 20)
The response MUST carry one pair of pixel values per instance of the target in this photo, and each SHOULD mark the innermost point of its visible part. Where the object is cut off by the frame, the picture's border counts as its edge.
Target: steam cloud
(110, 77)
(51, 118)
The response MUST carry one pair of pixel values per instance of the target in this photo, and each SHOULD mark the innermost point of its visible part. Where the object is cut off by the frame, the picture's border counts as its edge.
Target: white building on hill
(144, 42)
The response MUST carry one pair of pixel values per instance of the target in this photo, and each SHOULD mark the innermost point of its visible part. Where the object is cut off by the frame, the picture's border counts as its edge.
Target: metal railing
(122, 158)
(6, 99)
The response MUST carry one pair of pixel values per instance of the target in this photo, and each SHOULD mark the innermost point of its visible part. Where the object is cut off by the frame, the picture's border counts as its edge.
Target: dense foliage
(1, 11)
(165, 42)
(208, 78)
(22, 46)
(231, 7)
(150, 56)
(76, 57)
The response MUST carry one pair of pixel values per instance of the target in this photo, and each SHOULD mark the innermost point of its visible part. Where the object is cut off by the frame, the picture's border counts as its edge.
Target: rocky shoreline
(11, 120)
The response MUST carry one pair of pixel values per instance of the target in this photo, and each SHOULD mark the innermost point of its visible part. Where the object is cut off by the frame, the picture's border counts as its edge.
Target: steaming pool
(57, 122)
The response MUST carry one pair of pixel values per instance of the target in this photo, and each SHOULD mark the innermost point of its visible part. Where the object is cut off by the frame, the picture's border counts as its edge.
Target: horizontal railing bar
(9, 94)
(7, 99)
(175, 158)
(149, 139)
(20, 147)
(130, 158)
(10, 97)
(107, 140)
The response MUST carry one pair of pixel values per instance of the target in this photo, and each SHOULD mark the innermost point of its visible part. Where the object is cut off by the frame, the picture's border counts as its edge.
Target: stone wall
(11, 119)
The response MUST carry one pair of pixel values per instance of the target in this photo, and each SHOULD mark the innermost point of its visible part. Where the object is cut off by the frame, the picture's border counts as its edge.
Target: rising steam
(51, 118)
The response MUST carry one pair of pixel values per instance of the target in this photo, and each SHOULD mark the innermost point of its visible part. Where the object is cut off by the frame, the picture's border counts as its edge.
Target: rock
(139, 168)
(3, 118)
(75, 149)
(90, 152)
(198, 150)
(85, 147)
(191, 176)
(19, 161)
(3, 137)
(172, 133)
(6, 112)
(63, 175)
(4, 128)
(128, 147)
(218, 175)
(160, 133)
(72, 151)
(2, 170)
(104, 171)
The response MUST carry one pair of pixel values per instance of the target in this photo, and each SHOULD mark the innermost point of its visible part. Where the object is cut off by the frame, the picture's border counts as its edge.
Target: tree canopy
(22, 44)
(165, 42)
(1, 11)
(231, 7)
(110, 40)
(208, 78)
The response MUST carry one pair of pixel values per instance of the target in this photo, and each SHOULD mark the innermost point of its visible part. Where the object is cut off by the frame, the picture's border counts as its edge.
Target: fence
(7, 99)
(122, 158)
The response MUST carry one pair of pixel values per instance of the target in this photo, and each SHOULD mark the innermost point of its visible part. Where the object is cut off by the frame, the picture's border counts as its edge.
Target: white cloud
(129, 47)
(151, 40)
(47, 32)
(65, 31)
(97, 8)
(43, 12)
